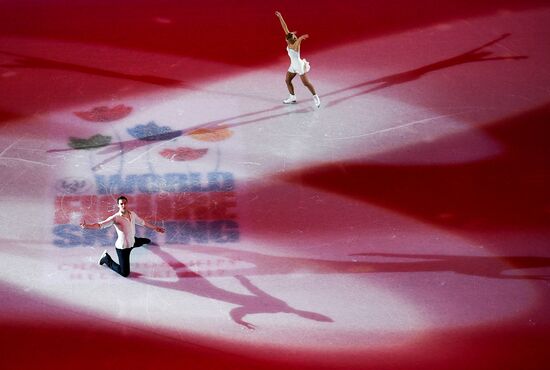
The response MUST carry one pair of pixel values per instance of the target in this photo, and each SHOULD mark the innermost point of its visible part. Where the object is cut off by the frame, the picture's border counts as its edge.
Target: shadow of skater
(491, 267)
(247, 304)
(24, 61)
(154, 141)
(475, 55)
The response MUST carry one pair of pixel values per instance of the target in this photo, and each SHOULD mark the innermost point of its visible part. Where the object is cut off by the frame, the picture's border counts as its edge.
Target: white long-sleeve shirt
(125, 229)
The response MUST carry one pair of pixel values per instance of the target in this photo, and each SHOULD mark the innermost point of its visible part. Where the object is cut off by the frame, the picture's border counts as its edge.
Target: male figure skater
(125, 224)
(297, 65)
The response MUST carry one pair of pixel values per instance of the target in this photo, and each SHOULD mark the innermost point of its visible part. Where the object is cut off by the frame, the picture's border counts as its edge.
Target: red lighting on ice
(404, 224)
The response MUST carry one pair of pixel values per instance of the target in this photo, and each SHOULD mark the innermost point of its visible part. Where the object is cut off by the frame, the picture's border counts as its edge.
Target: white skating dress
(297, 65)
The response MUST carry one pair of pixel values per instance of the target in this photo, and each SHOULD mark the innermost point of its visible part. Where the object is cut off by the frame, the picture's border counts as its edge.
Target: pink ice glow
(402, 225)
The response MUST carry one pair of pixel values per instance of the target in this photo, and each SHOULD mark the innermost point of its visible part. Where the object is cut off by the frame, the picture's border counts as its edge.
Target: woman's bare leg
(307, 84)
(288, 80)
(310, 87)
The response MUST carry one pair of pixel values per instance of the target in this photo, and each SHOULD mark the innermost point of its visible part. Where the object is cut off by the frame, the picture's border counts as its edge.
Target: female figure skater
(297, 65)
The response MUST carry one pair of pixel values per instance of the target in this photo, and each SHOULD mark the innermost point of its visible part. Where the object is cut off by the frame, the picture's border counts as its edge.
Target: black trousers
(123, 266)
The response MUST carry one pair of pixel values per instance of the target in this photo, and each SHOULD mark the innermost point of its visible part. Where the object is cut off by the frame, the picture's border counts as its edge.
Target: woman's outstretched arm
(299, 41)
(283, 24)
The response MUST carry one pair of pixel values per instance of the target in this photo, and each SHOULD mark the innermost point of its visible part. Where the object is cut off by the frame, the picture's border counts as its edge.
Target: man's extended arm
(98, 225)
(84, 225)
(142, 222)
(158, 229)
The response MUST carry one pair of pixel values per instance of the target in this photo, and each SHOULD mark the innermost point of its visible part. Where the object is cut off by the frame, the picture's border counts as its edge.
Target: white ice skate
(290, 100)
(317, 100)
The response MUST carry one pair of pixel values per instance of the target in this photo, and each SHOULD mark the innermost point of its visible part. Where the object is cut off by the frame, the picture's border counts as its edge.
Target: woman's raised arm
(283, 24)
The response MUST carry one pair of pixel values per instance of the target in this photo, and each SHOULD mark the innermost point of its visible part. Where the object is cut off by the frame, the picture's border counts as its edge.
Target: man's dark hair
(122, 197)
